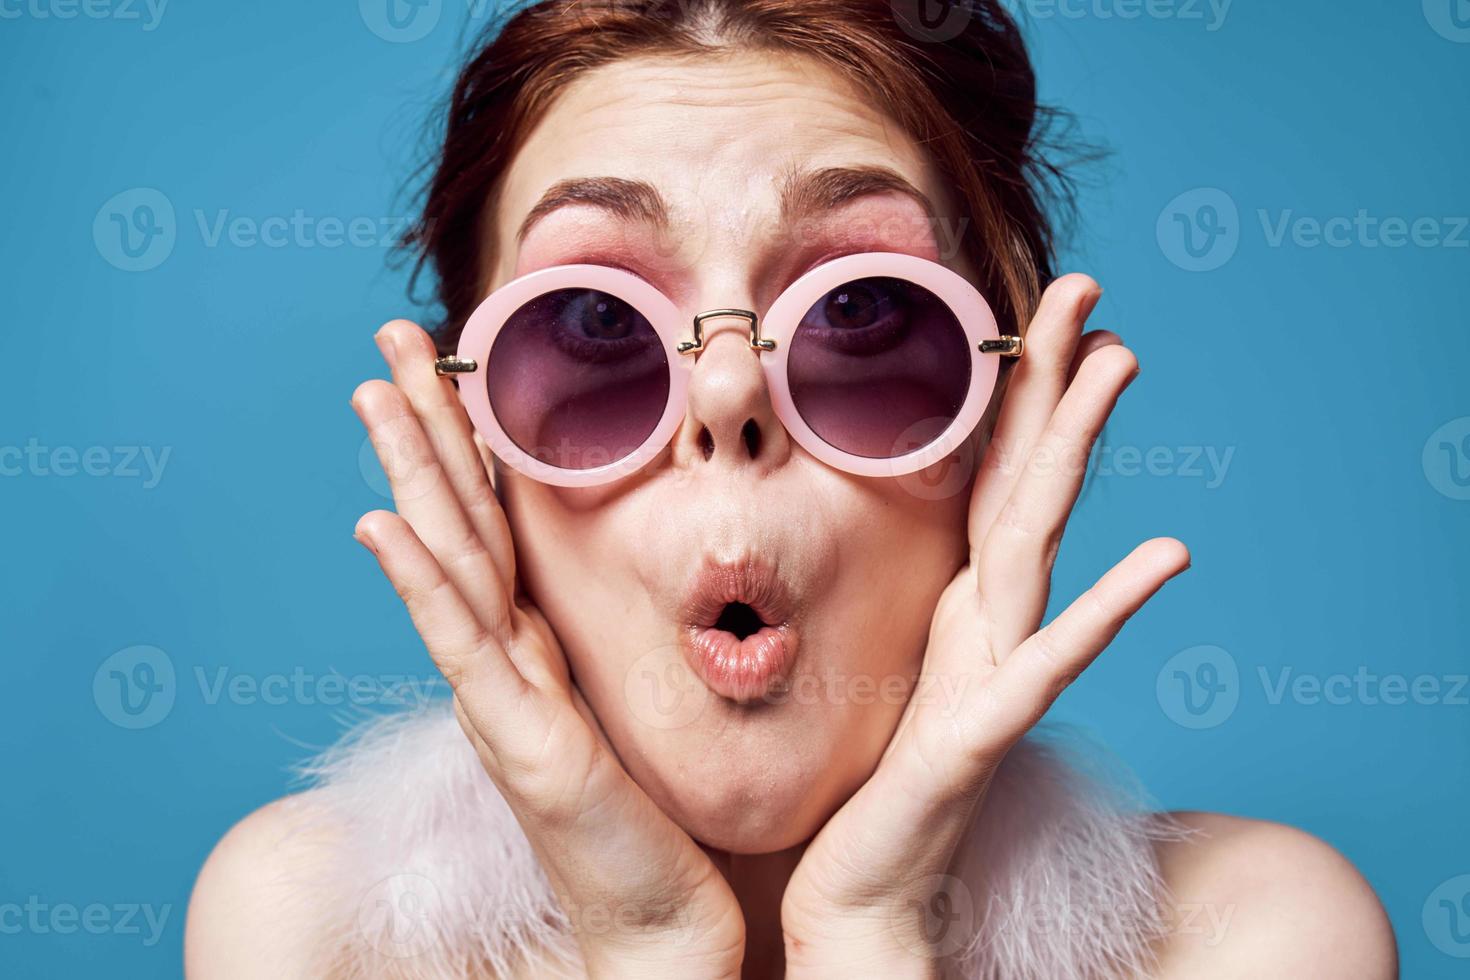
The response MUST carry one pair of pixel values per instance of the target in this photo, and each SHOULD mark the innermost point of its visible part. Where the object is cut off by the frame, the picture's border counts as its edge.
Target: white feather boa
(430, 875)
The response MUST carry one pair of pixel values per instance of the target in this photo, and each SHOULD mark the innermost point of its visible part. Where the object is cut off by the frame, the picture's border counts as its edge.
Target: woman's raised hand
(644, 900)
(859, 895)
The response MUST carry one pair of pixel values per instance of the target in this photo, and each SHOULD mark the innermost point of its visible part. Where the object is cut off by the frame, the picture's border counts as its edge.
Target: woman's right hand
(642, 896)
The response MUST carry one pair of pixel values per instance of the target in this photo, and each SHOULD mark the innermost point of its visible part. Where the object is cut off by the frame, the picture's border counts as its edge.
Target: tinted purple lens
(577, 378)
(879, 367)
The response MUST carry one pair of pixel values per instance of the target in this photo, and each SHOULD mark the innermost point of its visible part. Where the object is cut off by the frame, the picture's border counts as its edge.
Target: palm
(449, 553)
(1002, 669)
(928, 750)
(562, 765)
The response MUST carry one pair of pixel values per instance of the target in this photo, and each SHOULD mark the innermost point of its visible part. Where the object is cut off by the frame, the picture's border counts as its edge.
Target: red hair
(961, 86)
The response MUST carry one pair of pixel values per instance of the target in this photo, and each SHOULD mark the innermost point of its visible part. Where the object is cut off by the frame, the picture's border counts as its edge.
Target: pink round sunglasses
(877, 363)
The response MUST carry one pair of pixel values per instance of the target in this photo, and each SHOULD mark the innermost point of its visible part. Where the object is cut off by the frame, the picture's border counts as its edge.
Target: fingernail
(365, 541)
(1089, 301)
(385, 345)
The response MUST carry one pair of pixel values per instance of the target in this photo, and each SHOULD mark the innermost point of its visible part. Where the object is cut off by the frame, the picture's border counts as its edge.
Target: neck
(759, 881)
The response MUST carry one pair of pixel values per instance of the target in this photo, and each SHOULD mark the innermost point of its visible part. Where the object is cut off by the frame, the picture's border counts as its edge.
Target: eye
(597, 326)
(862, 316)
(599, 316)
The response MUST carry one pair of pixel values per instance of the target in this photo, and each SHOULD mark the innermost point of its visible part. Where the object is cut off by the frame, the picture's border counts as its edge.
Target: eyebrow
(803, 195)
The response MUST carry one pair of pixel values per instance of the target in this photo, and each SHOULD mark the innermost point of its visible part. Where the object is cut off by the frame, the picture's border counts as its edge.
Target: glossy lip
(739, 670)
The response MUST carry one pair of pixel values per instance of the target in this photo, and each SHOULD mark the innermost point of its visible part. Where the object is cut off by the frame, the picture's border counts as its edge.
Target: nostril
(706, 442)
(750, 433)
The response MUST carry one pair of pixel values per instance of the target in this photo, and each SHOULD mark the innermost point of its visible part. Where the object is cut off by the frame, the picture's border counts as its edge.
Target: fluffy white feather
(429, 875)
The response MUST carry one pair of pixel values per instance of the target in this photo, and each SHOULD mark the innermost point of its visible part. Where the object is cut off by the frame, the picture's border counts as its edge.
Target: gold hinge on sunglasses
(455, 365)
(1004, 345)
(757, 342)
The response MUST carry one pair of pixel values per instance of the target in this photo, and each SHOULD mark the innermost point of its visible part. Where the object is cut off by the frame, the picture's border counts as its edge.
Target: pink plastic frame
(779, 324)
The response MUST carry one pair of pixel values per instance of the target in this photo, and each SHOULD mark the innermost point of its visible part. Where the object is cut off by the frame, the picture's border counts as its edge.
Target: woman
(745, 630)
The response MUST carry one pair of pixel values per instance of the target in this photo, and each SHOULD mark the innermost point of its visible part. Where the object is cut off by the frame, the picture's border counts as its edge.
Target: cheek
(907, 543)
(900, 543)
(922, 516)
(576, 561)
(571, 553)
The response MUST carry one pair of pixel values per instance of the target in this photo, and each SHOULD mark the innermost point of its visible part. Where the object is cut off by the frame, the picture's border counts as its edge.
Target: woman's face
(720, 181)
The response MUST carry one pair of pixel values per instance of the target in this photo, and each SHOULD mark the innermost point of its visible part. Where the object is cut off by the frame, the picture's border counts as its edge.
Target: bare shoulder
(263, 907)
(1260, 899)
(244, 916)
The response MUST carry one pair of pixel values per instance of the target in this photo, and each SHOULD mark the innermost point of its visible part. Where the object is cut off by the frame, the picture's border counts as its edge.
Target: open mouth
(739, 638)
(739, 619)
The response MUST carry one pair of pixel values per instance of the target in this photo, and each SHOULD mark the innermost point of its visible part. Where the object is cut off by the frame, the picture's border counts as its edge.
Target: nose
(730, 420)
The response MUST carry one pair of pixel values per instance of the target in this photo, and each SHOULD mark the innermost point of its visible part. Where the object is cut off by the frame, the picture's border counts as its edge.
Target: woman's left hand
(858, 898)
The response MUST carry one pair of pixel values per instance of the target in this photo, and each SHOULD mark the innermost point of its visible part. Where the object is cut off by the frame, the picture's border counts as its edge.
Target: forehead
(715, 135)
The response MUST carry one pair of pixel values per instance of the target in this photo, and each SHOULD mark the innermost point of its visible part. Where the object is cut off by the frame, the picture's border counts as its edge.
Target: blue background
(1327, 547)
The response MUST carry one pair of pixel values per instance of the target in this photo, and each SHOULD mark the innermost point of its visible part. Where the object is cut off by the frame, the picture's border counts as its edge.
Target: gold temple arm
(1005, 346)
(455, 365)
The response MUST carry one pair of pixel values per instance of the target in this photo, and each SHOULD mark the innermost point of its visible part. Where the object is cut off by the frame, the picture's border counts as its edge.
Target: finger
(1031, 678)
(425, 498)
(1091, 341)
(487, 458)
(1032, 394)
(410, 354)
(469, 656)
(1014, 566)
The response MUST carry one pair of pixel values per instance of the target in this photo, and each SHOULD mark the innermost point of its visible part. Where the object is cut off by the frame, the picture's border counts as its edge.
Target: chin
(756, 779)
(747, 809)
